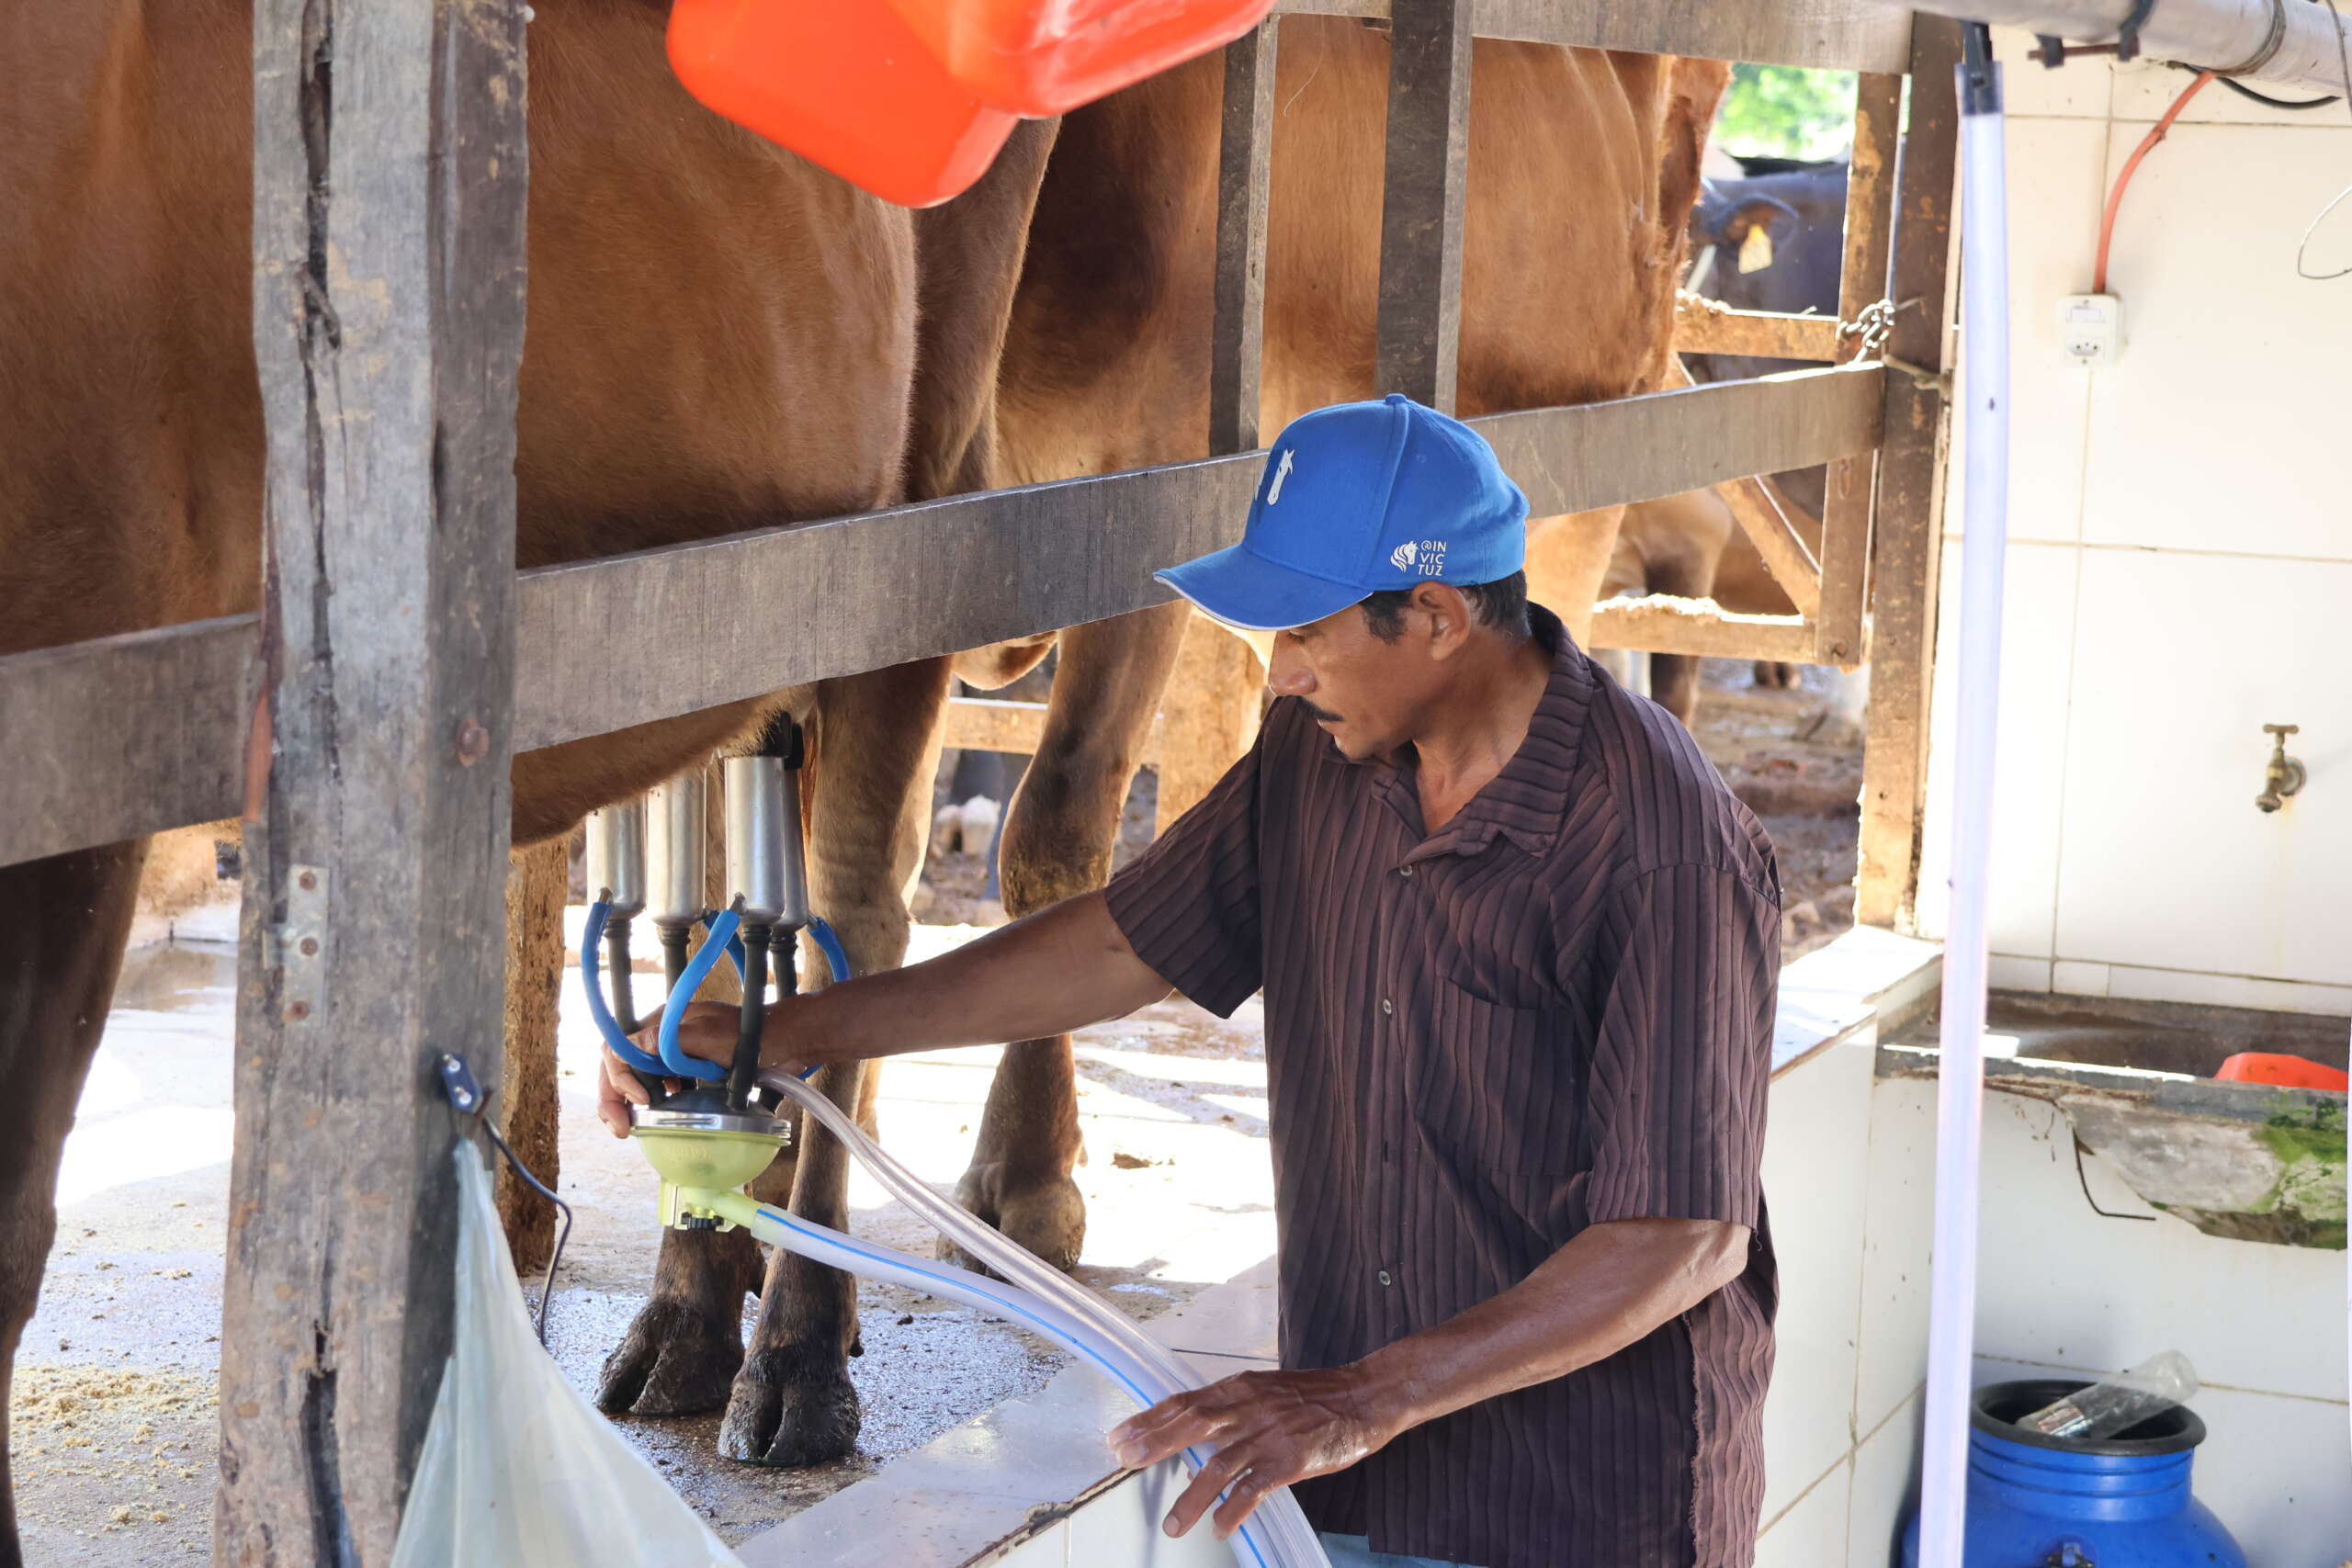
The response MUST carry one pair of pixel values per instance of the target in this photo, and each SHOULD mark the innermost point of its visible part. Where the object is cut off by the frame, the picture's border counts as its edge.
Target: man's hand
(1270, 1429)
(707, 1030)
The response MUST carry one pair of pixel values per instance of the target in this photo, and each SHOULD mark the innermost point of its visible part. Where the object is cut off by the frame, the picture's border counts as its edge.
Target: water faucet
(2285, 775)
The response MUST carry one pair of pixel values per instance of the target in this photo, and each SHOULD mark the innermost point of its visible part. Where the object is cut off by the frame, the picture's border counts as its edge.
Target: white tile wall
(2217, 428)
(2030, 776)
(1815, 1170)
(2071, 977)
(2144, 89)
(2166, 861)
(2224, 990)
(2130, 733)
(2056, 173)
(1886, 1469)
(1899, 1210)
(1813, 1532)
(2029, 91)
(2008, 973)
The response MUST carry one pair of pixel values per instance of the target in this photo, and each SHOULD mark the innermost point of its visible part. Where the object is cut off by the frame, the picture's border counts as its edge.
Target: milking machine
(720, 1127)
(715, 1133)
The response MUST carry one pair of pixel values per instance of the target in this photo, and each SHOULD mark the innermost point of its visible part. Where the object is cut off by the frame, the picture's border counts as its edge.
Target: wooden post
(526, 1106)
(1245, 158)
(1209, 706)
(1906, 549)
(1846, 512)
(388, 155)
(1421, 199)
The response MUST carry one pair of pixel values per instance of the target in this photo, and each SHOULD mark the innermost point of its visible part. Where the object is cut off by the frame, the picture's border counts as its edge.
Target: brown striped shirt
(1554, 1012)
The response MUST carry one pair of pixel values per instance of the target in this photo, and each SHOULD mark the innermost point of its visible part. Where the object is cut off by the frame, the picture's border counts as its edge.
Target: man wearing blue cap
(1519, 948)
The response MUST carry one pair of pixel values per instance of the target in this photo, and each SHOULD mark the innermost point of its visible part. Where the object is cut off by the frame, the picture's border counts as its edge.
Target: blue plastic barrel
(2121, 1502)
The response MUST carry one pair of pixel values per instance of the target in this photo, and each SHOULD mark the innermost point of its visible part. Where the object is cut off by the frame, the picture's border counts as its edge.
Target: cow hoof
(1045, 1214)
(784, 1412)
(673, 1362)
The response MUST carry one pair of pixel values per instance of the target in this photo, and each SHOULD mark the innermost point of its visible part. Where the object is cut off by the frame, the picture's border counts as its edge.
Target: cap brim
(1256, 594)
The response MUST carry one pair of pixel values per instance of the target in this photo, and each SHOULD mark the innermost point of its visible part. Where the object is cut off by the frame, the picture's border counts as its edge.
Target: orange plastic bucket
(1044, 57)
(845, 83)
(2287, 1072)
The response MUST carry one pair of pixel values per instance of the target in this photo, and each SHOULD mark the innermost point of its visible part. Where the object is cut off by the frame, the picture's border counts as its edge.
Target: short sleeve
(1683, 1059)
(1189, 905)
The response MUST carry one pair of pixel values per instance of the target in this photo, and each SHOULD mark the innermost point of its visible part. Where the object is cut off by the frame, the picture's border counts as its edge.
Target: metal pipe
(2291, 42)
(756, 840)
(1959, 1088)
(676, 827)
(616, 857)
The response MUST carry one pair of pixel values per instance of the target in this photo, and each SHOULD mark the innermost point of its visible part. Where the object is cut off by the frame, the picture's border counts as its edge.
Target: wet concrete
(115, 1420)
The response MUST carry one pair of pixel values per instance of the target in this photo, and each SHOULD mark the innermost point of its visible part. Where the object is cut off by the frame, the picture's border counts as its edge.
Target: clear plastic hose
(1277, 1534)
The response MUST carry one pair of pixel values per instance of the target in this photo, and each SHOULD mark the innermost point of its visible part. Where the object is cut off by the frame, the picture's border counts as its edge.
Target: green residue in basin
(2308, 1140)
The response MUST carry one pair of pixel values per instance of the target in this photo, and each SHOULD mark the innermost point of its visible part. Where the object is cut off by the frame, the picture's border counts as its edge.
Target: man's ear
(1449, 613)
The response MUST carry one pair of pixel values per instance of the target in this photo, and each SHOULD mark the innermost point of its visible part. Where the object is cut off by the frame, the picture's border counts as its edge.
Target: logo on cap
(1282, 472)
(1429, 554)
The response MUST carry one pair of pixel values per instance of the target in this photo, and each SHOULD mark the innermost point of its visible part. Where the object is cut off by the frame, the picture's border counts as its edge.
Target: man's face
(1367, 694)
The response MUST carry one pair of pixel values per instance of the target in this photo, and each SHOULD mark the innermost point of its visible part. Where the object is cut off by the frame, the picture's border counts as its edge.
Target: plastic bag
(518, 1470)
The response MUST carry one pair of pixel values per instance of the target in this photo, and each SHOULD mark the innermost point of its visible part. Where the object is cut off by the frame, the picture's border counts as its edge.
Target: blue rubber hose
(592, 976)
(674, 1061)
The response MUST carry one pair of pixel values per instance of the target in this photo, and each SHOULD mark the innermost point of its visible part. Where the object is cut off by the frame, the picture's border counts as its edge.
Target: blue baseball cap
(1357, 498)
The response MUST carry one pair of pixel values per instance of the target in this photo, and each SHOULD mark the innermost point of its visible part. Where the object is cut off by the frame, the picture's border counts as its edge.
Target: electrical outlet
(2090, 329)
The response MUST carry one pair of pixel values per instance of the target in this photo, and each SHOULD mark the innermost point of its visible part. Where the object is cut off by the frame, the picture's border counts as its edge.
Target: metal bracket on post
(298, 945)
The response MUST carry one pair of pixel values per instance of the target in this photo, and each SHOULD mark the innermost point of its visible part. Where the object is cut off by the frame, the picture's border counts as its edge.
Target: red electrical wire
(2115, 196)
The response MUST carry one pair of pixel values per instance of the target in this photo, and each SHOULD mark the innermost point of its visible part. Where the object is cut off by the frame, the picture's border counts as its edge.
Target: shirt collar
(1528, 801)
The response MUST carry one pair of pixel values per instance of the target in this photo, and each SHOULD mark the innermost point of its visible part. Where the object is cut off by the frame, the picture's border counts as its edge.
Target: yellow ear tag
(1755, 250)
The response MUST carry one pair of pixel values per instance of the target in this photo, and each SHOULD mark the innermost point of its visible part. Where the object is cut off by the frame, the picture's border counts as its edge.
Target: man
(1518, 947)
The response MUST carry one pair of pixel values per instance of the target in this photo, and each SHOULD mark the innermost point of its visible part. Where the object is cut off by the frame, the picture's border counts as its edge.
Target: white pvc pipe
(2231, 35)
(1276, 1534)
(1984, 346)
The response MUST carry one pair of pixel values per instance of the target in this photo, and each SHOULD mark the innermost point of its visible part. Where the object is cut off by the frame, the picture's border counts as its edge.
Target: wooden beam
(1640, 448)
(124, 736)
(1662, 623)
(1756, 509)
(1708, 326)
(1244, 161)
(1822, 35)
(1422, 190)
(389, 152)
(1906, 542)
(1870, 224)
(169, 699)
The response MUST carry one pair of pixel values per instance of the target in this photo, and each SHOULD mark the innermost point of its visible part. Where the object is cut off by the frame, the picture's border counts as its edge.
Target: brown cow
(1583, 166)
(788, 379)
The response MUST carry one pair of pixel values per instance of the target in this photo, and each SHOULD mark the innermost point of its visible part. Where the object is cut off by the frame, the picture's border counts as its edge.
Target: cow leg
(63, 924)
(1688, 573)
(1057, 844)
(874, 746)
(1567, 558)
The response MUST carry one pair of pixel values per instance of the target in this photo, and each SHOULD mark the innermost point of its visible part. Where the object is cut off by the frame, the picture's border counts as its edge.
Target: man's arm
(1608, 1287)
(1057, 970)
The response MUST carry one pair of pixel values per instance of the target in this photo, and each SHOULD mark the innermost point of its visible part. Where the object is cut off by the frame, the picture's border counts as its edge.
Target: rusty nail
(298, 1012)
(310, 947)
(474, 743)
(307, 881)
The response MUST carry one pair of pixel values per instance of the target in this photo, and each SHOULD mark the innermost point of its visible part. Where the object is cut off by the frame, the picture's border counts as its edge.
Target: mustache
(1325, 714)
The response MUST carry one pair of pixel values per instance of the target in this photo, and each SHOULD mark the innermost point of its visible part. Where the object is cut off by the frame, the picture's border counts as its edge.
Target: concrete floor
(114, 1427)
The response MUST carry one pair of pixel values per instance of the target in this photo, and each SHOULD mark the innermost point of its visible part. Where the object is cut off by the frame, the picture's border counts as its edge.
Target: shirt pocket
(1493, 1088)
